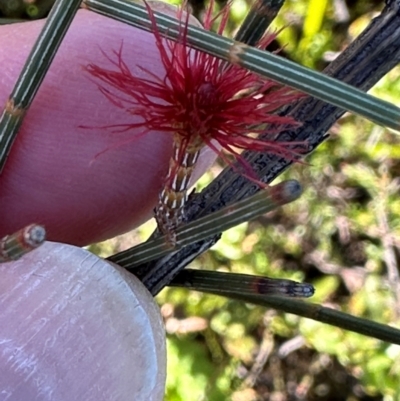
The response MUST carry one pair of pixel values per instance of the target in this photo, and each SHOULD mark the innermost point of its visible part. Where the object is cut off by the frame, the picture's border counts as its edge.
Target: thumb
(73, 327)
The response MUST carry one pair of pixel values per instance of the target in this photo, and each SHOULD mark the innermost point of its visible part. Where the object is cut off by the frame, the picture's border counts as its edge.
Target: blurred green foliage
(333, 237)
(343, 235)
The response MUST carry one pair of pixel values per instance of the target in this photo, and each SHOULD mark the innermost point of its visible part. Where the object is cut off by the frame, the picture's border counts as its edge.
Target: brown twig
(374, 53)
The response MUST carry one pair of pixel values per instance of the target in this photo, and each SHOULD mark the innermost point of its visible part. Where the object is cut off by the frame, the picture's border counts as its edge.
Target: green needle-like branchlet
(265, 64)
(18, 244)
(222, 283)
(34, 72)
(246, 289)
(257, 21)
(210, 225)
(322, 314)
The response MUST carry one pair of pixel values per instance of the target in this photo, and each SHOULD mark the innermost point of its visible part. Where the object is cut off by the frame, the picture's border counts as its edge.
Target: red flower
(201, 100)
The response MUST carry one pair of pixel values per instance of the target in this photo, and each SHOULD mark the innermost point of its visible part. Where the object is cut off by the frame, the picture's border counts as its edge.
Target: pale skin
(74, 327)
(54, 175)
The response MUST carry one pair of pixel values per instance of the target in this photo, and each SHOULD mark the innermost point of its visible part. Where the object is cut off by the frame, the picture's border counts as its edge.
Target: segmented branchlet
(169, 212)
(14, 246)
(201, 101)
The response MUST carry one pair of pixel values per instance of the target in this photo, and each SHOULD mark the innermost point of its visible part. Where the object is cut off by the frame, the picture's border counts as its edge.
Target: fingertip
(52, 176)
(73, 327)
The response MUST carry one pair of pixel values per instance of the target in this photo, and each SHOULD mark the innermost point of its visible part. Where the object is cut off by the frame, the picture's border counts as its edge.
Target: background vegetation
(343, 236)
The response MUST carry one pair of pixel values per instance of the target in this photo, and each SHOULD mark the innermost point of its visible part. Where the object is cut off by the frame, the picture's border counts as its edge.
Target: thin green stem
(34, 72)
(257, 21)
(322, 314)
(227, 283)
(263, 63)
(210, 225)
